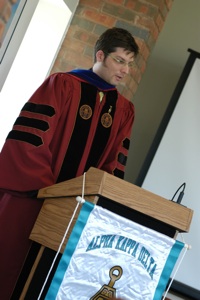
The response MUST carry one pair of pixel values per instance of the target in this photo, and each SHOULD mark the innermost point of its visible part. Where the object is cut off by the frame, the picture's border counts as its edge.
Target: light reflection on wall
(33, 60)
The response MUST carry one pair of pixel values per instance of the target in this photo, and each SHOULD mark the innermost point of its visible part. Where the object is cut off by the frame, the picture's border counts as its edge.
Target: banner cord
(80, 200)
(186, 247)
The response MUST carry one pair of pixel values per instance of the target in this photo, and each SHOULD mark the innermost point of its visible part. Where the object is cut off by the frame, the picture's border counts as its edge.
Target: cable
(180, 197)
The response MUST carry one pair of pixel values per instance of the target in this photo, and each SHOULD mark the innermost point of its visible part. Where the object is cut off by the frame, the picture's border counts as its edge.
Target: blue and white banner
(108, 255)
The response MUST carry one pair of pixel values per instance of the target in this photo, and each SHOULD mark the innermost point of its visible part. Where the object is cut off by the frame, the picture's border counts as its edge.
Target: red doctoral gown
(72, 122)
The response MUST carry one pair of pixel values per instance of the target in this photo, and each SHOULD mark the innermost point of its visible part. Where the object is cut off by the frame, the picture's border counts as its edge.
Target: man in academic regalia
(73, 121)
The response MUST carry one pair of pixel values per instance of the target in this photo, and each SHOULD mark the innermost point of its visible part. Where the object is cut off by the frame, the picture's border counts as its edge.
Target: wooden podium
(110, 192)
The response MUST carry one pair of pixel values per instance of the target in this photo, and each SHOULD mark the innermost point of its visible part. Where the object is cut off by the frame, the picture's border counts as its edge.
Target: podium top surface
(99, 183)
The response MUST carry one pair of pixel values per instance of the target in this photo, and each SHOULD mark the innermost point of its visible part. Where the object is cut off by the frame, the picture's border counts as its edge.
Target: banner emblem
(107, 291)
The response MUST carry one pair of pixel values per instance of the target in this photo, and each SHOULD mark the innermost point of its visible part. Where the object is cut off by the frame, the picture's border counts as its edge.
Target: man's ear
(100, 56)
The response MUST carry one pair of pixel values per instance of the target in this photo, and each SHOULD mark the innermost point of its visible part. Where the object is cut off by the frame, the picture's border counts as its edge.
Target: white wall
(165, 64)
(177, 160)
(34, 59)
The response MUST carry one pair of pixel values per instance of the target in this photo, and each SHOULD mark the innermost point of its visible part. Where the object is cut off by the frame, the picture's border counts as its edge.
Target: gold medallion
(106, 120)
(85, 112)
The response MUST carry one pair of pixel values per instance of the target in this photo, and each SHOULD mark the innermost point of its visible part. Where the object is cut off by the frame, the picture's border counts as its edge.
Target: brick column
(143, 18)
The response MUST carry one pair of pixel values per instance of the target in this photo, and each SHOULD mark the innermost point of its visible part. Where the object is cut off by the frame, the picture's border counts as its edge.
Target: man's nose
(125, 69)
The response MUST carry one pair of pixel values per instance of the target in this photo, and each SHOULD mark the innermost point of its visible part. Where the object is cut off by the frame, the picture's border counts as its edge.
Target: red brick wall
(143, 18)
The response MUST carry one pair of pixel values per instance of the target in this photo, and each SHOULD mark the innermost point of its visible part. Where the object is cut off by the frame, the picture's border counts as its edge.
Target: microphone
(181, 194)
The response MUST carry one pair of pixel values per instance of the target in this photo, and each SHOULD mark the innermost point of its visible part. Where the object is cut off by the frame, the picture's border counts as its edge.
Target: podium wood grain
(60, 203)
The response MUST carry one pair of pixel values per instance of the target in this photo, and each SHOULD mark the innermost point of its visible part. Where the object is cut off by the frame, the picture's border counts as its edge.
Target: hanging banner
(108, 255)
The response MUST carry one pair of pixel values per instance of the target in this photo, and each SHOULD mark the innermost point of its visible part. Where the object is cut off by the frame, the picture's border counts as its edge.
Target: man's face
(115, 66)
